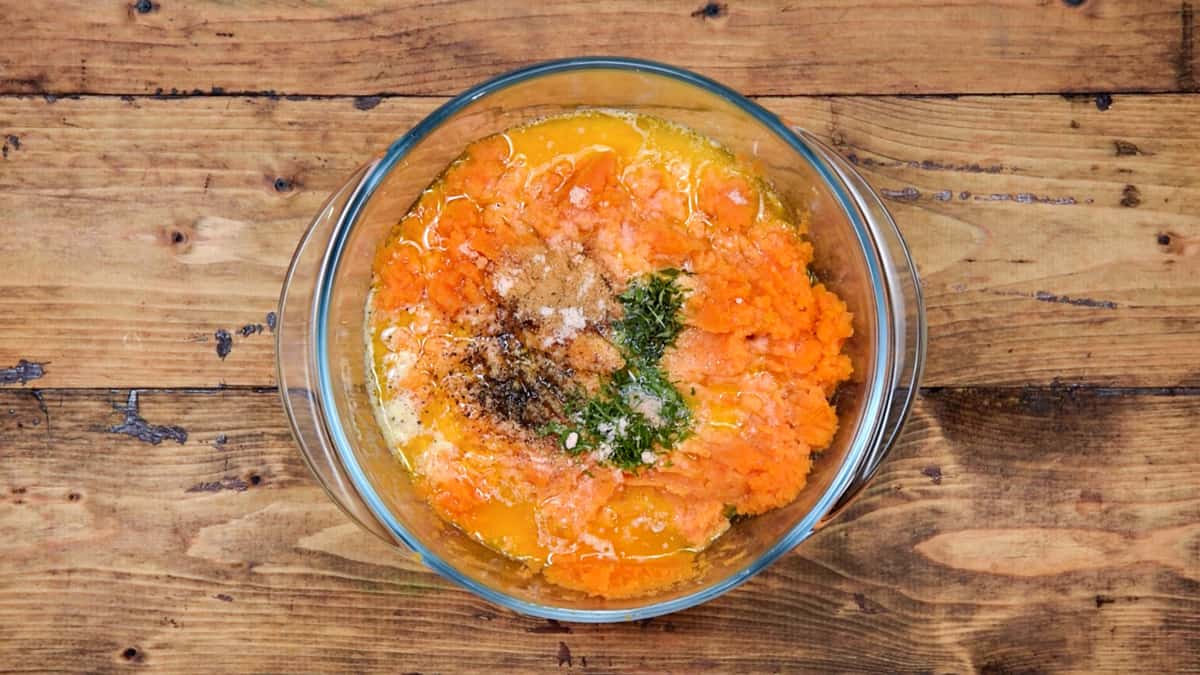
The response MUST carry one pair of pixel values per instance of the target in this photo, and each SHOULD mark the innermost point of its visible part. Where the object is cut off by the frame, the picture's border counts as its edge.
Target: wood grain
(799, 47)
(1012, 530)
(1056, 241)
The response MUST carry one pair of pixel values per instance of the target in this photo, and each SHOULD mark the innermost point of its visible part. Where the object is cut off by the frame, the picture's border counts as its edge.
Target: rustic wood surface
(1011, 530)
(1055, 240)
(794, 47)
(1040, 513)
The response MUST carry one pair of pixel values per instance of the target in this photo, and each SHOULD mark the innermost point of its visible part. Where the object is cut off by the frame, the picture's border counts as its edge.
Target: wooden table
(1041, 512)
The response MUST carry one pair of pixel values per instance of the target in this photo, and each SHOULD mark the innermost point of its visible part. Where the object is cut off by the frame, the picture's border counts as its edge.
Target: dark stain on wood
(1103, 102)
(711, 10)
(1026, 198)
(934, 473)
(234, 484)
(1011, 261)
(29, 85)
(1073, 3)
(251, 329)
(925, 165)
(1102, 600)
(271, 321)
(223, 597)
(23, 372)
(1185, 75)
(224, 343)
(1131, 197)
(282, 184)
(41, 404)
(145, 6)
(366, 102)
(551, 626)
(1043, 296)
(11, 140)
(866, 606)
(134, 425)
(1127, 149)
(908, 194)
(564, 656)
(132, 654)
(1037, 423)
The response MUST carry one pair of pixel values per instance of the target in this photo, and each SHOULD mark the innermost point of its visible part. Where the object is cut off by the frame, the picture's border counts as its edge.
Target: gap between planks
(1066, 387)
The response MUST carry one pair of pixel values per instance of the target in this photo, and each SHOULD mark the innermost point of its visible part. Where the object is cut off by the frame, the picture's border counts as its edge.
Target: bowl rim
(877, 390)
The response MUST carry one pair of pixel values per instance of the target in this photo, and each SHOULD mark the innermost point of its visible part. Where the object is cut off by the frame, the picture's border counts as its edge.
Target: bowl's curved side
(295, 354)
(906, 308)
(308, 382)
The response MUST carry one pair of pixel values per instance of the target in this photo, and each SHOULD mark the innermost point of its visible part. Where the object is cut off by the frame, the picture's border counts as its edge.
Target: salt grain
(579, 197)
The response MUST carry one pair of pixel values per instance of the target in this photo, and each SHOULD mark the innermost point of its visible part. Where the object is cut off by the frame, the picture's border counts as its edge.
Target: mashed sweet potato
(595, 340)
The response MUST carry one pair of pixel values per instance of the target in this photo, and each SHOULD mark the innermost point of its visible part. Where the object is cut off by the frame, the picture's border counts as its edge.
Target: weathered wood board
(797, 47)
(1055, 241)
(1012, 530)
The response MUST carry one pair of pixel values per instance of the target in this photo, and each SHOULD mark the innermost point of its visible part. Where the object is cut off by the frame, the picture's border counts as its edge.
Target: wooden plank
(1012, 530)
(1055, 240)
(799, 47)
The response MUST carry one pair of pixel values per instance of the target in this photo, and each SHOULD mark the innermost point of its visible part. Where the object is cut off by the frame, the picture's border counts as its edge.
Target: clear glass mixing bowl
(322, 378)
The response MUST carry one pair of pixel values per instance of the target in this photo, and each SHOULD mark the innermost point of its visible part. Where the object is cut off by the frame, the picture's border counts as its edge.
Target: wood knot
(1131, 197)
(178, 238)
(145, 6)
(711, 10)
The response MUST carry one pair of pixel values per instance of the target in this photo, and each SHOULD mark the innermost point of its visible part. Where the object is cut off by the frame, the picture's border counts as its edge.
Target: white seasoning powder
(573, 321)
(737, 197)
(572, 441)
(579, 197)
(504, 284)
(647, 457)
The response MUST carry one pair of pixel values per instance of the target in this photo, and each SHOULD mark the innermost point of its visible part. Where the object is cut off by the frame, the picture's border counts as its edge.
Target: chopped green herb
(638, 411)
(651, 323)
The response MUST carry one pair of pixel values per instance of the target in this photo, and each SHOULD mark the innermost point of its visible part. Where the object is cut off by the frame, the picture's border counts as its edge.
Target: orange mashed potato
(492, 315)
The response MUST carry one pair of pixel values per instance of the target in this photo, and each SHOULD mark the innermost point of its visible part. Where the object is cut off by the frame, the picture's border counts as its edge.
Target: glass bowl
(319, 338)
